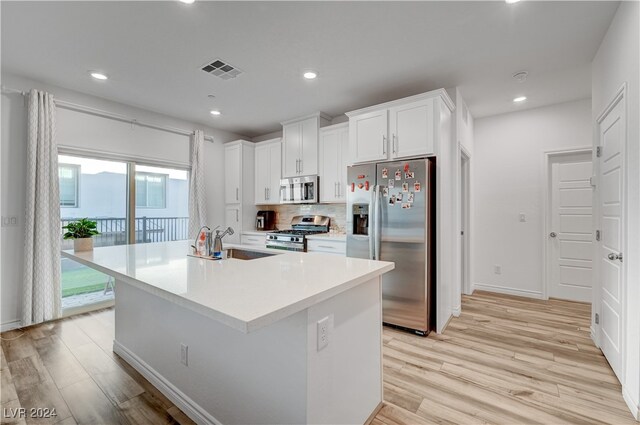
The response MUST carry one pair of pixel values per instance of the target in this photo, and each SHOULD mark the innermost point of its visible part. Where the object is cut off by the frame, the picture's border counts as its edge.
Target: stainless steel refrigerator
(391, 217)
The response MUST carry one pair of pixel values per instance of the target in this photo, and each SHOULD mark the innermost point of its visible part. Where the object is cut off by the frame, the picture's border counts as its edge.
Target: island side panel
(345, 377)
(231, 377)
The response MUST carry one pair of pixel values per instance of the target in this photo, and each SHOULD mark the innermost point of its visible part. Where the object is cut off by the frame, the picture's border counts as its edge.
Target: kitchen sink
(245, 254)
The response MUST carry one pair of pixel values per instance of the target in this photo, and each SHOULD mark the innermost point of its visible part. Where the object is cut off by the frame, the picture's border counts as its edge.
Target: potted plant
(81, 232)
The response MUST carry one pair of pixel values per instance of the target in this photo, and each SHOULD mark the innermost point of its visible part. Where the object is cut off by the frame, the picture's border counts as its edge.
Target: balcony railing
(113, 230)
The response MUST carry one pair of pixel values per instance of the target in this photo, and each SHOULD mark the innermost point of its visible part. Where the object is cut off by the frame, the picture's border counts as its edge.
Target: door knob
(553, 234)
(613, 256)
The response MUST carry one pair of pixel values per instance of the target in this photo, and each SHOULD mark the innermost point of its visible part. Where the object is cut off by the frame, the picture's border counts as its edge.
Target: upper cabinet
(368, 136)
(403, 128)
(267, 170)
(300, 145)
(334, 144)
(240, 211)
(233, 173)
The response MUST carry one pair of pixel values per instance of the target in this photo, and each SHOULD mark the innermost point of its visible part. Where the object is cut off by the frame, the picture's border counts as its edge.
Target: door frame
(465, 217)
(549, 156)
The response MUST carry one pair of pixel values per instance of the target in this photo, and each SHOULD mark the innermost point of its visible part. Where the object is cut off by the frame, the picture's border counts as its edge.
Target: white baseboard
(188, 406)
(593, 336)
(8, 326)
(506, 290)
(633, 405)
(456, 311)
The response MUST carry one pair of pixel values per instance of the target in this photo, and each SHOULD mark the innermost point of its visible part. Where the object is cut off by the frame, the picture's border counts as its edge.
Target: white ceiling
(365, 53)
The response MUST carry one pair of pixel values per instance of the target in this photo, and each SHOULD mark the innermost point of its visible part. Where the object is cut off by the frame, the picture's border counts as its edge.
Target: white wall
(616, 63)
(508, 179)
(463, 124)
(88, 132)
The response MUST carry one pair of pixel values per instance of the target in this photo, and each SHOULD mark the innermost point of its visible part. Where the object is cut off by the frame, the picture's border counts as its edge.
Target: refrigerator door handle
(371, 226)
(378, 221)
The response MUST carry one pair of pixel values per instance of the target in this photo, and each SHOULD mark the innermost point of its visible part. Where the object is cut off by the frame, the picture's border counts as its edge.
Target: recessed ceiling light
(98, 75)
(215, 113)
(186, 1)
(520, 99)
(511, 1)
(310, 75)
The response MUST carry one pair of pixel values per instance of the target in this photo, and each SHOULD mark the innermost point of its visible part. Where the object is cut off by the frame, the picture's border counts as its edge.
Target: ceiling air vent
(221, 69)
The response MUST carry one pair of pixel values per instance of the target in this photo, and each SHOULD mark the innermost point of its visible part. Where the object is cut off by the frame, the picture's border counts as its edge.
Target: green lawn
(82, 281)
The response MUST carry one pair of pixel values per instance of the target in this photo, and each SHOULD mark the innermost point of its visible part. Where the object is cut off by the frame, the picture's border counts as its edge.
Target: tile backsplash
(284, 213)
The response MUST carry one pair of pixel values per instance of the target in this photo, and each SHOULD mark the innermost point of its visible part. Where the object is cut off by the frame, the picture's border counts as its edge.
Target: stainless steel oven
(299, 190)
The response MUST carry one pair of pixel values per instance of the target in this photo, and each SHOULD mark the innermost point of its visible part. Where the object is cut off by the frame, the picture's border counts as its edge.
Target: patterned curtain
(197, 196)
(41, 296)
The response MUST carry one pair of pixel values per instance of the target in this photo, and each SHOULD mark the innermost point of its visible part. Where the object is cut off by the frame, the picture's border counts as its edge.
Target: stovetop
(298, 232)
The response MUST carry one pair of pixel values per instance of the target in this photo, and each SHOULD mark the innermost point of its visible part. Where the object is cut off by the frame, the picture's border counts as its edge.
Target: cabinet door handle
(384, 144)
(326, 247)
(339, 189)
(301, 167)
(268, 189)
(237, 216)
(395, 148)
(297, 166)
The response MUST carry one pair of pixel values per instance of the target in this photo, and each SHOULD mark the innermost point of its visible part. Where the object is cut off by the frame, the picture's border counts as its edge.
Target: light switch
(523, 218)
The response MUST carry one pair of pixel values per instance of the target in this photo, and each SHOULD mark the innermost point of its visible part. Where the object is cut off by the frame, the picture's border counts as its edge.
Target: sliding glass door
(162, 204)
(153, 206)
(95, 189)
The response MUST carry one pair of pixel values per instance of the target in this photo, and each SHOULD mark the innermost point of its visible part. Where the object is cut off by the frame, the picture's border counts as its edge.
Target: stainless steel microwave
(299, 190)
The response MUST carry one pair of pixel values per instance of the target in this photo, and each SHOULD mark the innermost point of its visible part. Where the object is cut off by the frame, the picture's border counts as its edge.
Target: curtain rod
(105, 114)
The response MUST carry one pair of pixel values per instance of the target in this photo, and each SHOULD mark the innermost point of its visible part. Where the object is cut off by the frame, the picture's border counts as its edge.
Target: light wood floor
(505, 360)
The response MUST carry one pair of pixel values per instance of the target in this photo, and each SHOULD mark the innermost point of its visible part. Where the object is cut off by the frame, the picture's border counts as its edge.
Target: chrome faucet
(217, 243)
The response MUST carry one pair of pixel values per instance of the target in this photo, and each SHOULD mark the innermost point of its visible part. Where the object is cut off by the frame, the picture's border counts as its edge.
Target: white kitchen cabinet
(232, 214)
(412, 129)
(253, 239)
(267, 171)
(368, 136)
(239, 193)
(300, 145)
(233, 173)
(327, 245)
(403, 128)
(334, 145)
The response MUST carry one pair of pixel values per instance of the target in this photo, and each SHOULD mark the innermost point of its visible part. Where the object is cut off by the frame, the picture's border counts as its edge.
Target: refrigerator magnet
(405, 187)
(399, 197)
(398, 175)
(409, 175)
(385, 173)
(392, 200)
(406, 167)
(385, 191)
(406, 206)
(416, 187)
(392, 183)
(410, 197)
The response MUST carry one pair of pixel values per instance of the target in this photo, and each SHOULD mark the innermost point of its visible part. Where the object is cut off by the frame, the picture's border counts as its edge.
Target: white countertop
(244, 294)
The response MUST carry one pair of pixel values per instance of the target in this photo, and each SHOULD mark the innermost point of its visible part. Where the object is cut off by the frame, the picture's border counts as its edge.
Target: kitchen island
(242, 341)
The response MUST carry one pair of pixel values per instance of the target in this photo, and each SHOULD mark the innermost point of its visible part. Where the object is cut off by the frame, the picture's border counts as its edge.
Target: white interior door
(571, 236)
(612, 131)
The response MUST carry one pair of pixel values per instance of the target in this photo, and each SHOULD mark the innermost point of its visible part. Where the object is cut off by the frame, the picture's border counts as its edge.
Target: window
(151, 190)
(68, 178)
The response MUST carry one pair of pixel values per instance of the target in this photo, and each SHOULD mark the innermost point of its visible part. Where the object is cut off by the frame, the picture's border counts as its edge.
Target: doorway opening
(465, 222)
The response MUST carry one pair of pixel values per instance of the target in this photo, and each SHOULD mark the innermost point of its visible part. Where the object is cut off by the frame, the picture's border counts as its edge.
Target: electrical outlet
(523, 218)
(323, 333)
(9, 221)
(497, 269)
(184, 354)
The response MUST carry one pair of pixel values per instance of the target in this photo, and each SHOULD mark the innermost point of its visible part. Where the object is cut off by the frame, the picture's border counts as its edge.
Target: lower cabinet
(253, 239)
(338, 247)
